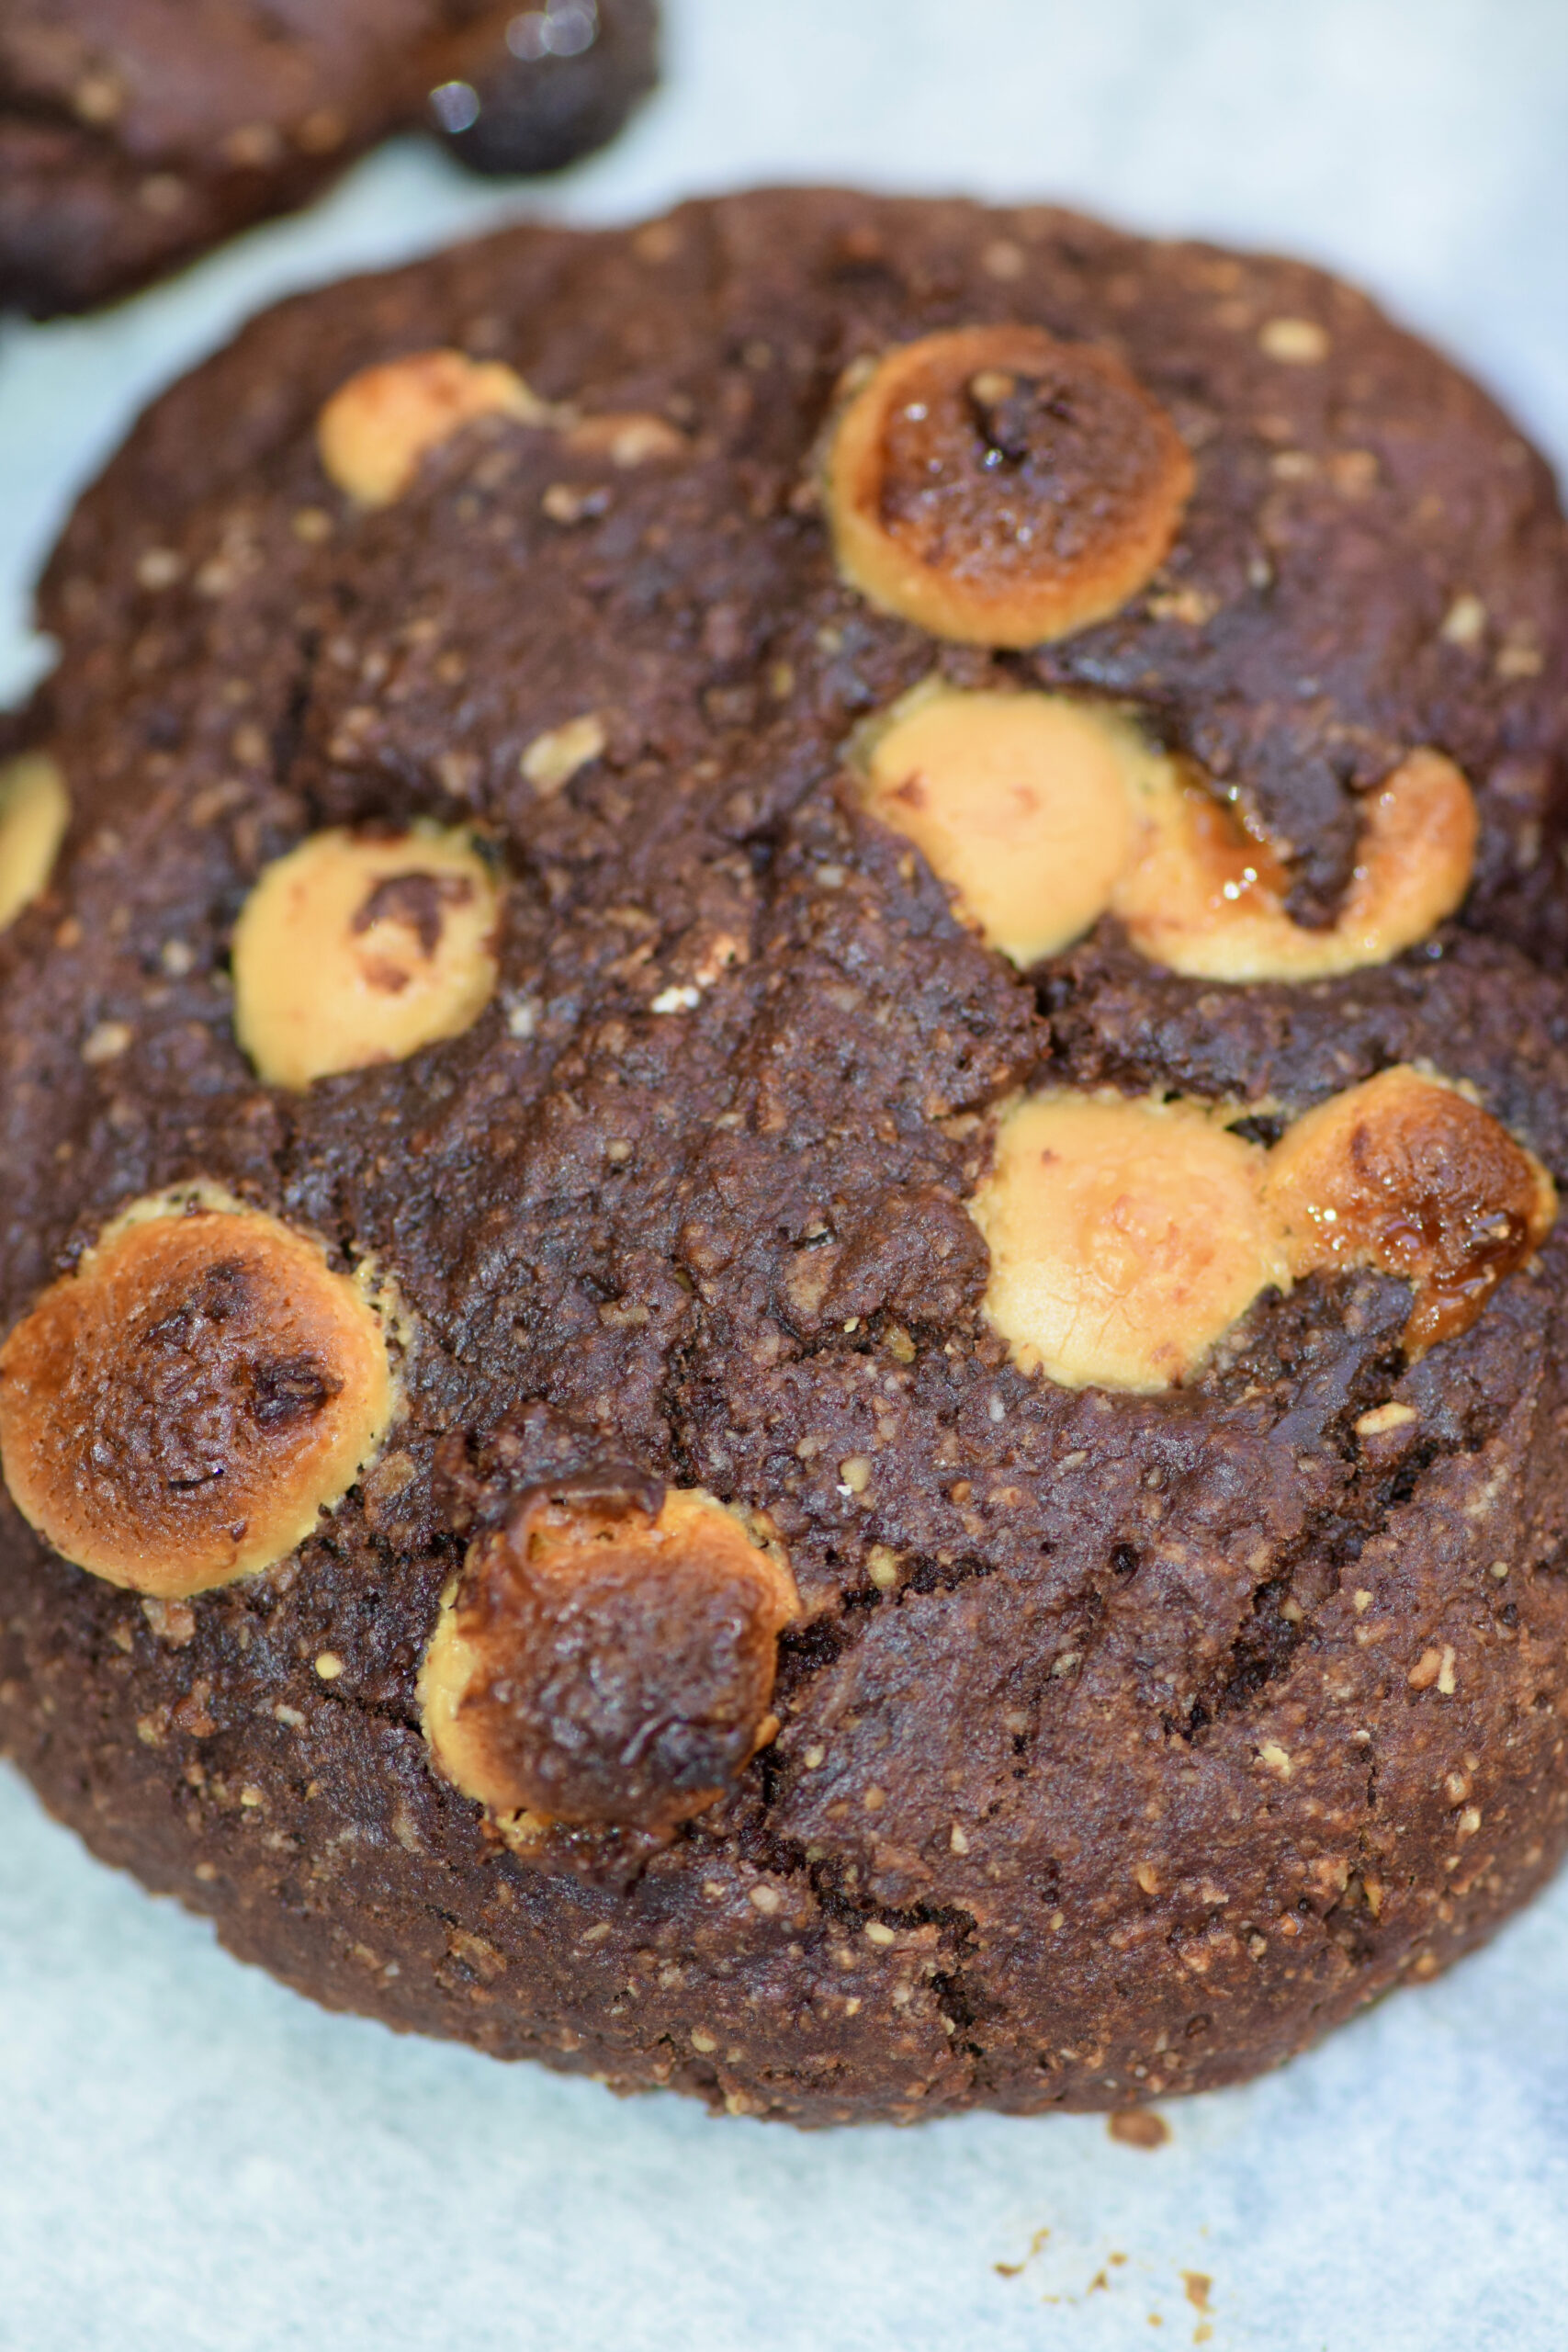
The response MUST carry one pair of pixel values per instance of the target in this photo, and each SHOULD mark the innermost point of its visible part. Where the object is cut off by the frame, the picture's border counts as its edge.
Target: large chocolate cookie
(780, 1239)
(135, 133)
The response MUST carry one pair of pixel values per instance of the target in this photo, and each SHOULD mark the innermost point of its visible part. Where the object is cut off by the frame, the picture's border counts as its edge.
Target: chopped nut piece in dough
(1207, 898)
(360, 947)
(998, 487)
(1021, 801)
(1406, 1174)
(1126, 1236)
(628, 439)
(604, 1662)
(34, 812)
(552, 759)
(374, 429)
(1299, 342)
(180, 1410)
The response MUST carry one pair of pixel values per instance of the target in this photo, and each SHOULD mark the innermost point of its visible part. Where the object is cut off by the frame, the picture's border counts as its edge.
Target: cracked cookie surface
(1123, 1741)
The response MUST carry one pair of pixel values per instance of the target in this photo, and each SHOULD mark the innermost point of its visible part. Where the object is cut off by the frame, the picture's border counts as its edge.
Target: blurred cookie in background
(134, 134)
(559, 83)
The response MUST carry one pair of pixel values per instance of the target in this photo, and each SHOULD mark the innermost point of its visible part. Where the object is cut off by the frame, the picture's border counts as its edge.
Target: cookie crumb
(1138, 2127)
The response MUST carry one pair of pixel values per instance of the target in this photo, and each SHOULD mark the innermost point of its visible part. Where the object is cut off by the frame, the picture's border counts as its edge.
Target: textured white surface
(193, 2161)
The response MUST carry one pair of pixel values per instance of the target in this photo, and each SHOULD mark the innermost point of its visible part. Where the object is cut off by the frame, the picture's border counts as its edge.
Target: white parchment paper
(191, 2159)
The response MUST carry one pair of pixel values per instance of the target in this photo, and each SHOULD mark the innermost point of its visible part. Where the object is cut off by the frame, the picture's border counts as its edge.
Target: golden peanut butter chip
(1406, 1174)
(998, 487)
(34, 813)
(360, 947)
(1206, 897)
(1125, 1237)
(374, 429)
(179, 1410)
(604, 1661)
(1021, 801)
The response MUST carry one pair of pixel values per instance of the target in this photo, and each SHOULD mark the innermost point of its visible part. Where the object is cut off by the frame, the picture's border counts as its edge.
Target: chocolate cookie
(785, 1303)
(136, 133)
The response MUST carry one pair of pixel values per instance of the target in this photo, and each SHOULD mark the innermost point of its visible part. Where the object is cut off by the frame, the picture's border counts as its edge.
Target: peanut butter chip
(358, 948)
(374, 429)
(1406, 1174)
(601, 1662)
(1020, 801)
(1207, 898)
(998, 487)
(1125, 1237)
(34, 813)
(179, 1410)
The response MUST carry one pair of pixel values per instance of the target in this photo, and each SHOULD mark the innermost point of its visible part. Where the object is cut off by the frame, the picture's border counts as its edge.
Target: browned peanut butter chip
(1021, 801)
(373, 432)
(1125, 1237)
(179, 1410)
(34, 813)
(362, 947)
(998, 487)
(600, 1664)
(1406, 1174)
(1206, 897)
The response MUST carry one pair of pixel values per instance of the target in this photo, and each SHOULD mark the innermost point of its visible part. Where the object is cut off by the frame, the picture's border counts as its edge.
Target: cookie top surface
(680, 1176)
(134, 135)
(720, 1054)
(1371, 560)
